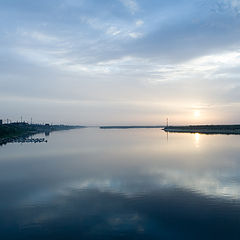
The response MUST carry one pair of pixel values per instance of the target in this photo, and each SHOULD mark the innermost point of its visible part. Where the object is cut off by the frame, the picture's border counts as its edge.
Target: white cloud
(37, 36)
(139, 23)
(233, 4)
(113, 31)
(131, 5)
(135, 34)
(146, 55)
(206, 67)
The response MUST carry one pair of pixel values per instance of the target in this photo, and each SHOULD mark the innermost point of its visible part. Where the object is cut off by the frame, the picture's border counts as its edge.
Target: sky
(120, 62)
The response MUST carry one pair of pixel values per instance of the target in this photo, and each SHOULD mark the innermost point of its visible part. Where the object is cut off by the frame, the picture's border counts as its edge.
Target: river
(93, 183)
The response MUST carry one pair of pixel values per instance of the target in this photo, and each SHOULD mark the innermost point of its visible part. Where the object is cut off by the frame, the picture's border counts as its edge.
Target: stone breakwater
(205, 129)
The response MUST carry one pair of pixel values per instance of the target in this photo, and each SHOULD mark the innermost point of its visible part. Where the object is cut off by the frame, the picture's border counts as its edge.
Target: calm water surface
(121, 184)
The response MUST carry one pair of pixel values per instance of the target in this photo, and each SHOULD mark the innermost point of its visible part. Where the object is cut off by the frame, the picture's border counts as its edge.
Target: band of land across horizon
(12, 131)
(204, 129)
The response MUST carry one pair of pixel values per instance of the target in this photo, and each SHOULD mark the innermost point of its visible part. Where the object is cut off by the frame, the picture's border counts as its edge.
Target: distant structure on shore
(1, 121)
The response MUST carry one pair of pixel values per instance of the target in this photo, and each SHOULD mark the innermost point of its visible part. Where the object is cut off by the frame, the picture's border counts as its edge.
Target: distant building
(1, 121)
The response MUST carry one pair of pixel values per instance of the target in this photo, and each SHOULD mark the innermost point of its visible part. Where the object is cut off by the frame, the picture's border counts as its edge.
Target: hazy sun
(197, 113)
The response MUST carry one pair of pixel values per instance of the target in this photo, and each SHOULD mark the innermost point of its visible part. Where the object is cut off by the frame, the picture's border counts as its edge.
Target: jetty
(128, 127)
(205, 129)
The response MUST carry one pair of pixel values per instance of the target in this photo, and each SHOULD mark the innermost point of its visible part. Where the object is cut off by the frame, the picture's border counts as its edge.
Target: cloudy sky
(120, 61)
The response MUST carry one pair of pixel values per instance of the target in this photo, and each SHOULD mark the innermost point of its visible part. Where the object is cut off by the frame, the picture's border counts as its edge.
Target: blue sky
(120, 61)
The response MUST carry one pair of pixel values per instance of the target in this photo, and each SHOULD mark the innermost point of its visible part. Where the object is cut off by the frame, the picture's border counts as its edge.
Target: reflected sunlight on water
(197, 140)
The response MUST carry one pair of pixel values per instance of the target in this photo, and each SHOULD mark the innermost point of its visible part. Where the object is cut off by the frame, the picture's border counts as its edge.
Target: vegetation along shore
(13, 131)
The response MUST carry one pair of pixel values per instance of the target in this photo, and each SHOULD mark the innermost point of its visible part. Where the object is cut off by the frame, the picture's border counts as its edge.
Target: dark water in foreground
(121, 184)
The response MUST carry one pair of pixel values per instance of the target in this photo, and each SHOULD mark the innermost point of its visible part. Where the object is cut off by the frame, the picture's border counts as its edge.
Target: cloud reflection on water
(129, 183)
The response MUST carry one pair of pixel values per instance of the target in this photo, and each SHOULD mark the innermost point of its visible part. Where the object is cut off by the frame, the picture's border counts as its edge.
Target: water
(121, 184)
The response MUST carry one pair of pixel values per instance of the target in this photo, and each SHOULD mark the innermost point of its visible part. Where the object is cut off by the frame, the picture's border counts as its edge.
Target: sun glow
(197, 113)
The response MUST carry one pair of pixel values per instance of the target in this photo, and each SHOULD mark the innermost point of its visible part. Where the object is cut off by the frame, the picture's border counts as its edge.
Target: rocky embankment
(205, 129)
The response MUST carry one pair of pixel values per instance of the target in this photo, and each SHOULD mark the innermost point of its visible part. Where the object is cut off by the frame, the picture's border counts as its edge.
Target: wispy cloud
(38, 36)
(131, 5)
(180, 53)
(233, 4)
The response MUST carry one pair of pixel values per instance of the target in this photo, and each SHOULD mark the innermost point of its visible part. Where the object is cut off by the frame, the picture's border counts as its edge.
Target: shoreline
(128, 127)
(205, 129)
(15, 131)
